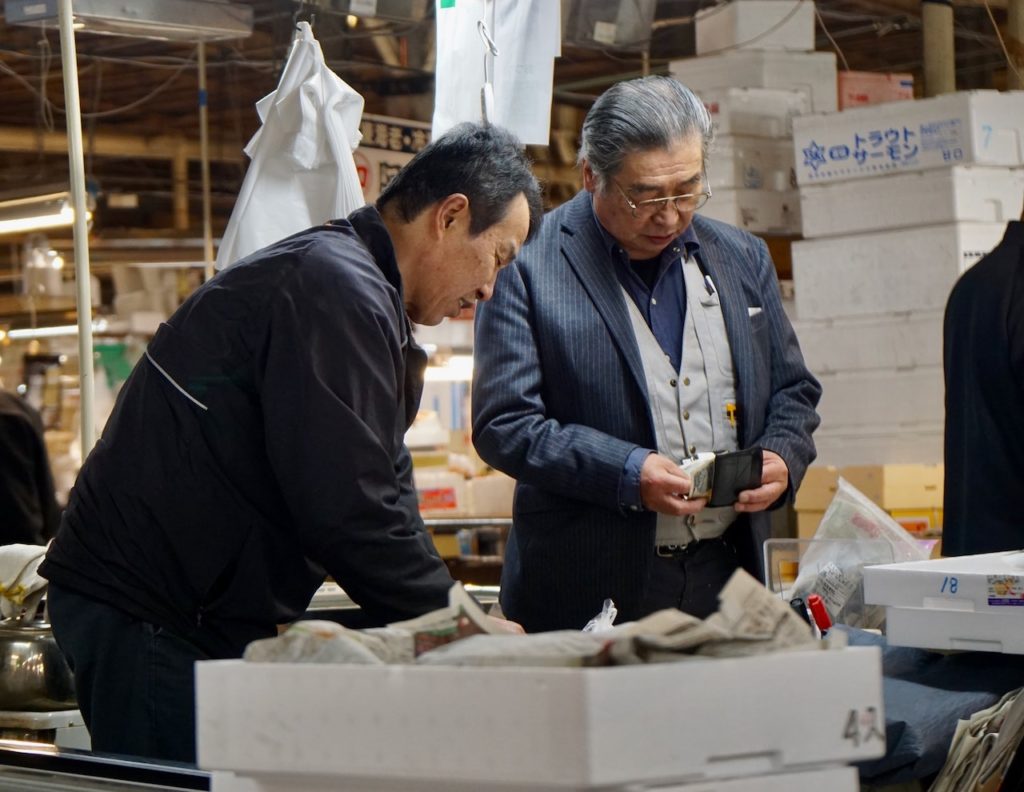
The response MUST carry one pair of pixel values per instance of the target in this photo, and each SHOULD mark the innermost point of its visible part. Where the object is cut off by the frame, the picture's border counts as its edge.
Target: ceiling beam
(161, 147)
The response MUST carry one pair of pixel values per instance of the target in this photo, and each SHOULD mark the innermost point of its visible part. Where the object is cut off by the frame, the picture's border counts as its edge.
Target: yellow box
(914, 487)
(817, 488)
(447, 544)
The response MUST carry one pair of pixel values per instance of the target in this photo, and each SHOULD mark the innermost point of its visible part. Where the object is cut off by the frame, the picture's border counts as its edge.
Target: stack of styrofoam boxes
(766, 74)
(897, 201)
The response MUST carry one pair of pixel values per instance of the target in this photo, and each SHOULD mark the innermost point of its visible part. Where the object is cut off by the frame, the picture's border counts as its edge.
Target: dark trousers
(135, 681)
(691, 579)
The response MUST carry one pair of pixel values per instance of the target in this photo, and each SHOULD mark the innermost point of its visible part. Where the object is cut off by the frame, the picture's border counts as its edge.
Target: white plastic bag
(604, 620)
(834, 569)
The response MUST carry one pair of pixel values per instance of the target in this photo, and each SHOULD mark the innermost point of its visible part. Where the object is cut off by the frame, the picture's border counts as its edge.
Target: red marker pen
(818, 611)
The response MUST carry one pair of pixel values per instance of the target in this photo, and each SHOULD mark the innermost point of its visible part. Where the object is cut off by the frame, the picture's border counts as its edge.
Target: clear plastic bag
(835, 569)
(604, 620)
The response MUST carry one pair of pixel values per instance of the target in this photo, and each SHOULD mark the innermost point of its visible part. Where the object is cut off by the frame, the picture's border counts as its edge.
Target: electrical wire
(1002, 43)
(835, 46)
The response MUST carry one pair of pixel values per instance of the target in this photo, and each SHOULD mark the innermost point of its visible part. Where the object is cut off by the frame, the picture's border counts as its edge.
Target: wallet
(735, 471)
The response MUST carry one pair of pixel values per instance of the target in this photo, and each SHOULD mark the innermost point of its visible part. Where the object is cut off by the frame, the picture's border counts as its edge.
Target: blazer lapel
(583, 248)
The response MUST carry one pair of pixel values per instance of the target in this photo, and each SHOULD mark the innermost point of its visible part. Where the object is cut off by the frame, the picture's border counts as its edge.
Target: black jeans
(135, 681)
(692, 580)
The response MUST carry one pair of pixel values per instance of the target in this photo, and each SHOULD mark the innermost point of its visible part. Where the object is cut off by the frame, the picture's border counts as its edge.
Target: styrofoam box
(878, 443)
(961, 193)
(833, 778)
(560, 727)
(968, 602)
(910, 269)
(755, 24)
(757, 211)
(889, 341)
(860, 398)
(742, 162)
(758, 112)
(813, 73)
(966, 128)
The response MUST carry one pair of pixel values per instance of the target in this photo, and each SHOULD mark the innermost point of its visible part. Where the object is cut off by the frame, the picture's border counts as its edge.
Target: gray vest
(693, 410)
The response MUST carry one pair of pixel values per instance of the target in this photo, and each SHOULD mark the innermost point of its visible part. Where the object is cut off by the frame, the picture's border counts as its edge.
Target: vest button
(686, 415)
(693, 449)
(673, 382)
(686, 380)
(690, 520)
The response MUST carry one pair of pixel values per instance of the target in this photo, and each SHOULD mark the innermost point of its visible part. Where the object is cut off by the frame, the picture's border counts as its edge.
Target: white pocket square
(753, 310)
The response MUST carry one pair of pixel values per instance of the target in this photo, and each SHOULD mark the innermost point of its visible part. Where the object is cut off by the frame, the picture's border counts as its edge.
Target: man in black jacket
(258, 445)
(984, 366)
(28, 506)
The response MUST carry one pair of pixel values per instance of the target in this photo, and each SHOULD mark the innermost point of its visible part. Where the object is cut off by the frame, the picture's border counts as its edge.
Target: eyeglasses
(690, 202)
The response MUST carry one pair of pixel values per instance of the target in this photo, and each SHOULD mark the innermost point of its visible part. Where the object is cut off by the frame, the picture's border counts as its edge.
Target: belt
(681, 550)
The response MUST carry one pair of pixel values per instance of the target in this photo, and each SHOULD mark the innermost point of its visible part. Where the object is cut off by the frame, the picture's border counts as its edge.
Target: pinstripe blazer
(559, 401)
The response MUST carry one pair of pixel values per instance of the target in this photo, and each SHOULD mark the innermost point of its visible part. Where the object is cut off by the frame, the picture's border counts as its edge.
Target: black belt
(681, 550)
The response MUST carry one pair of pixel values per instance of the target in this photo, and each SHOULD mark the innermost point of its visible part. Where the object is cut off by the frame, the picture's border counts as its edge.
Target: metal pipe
(204, 163)
(939, 52)
(1015, 44)
(83, 291)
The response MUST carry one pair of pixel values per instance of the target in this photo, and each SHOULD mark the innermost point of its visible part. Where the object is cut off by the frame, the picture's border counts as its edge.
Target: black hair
(487, 164)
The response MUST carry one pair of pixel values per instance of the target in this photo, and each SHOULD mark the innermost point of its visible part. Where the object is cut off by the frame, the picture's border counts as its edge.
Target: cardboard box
(962, 193)
(910, 269)
(817, 488)
(860, 88)
(755, 25)
(969, 602)
(893, 396)
(491, 495)
(834, 779)
(811, 73)
(890, 341)
(742, 162)
(556, 727)
(966, 128)
(757, 112)
(757, 211)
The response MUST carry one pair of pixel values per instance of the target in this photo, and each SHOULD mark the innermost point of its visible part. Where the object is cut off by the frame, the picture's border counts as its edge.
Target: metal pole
(939, 53)
(204, 162)
(86, 376)
(1015, 43)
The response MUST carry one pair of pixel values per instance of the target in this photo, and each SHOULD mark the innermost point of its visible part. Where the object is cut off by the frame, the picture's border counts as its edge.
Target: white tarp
(301, 171)
(527, 34)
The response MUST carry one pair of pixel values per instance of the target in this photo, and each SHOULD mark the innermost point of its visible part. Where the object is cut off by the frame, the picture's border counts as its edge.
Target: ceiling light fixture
(35, 213)
(165, 20)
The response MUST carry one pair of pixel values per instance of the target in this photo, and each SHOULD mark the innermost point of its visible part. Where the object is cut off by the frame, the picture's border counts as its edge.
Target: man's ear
(589, 178)
(451, 211)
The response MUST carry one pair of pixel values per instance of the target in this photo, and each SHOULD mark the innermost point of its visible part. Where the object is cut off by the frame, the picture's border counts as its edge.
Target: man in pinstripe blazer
(630, 334)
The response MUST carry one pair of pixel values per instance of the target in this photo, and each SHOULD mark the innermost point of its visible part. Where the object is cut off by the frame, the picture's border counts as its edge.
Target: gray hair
(640, 115)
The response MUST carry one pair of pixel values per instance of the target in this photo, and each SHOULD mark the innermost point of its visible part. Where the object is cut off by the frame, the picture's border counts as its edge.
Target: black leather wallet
(735, 471)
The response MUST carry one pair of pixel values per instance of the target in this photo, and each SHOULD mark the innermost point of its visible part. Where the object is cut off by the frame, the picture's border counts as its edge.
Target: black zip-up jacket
(258, 444)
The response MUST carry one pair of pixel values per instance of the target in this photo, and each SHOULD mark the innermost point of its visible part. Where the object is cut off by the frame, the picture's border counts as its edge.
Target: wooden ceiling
(139, 97)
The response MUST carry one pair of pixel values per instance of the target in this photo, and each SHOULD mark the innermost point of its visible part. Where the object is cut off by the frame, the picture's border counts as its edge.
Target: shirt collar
(370, 227)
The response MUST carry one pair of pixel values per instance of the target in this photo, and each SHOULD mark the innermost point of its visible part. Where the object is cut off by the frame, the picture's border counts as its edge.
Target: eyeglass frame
(635, 205)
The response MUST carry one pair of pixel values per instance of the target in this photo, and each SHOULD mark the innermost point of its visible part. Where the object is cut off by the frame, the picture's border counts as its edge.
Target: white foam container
(965, 128)
(569, 728)
(910, 269)
(850, 399)
(755, 24)
(971, 602)
(889, 341)
(880, 443)
(757, 112)
(811, 73)
(743, 162)
(757, 211)
(961, 193)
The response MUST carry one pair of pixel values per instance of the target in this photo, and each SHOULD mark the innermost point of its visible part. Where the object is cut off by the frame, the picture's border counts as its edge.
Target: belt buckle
(670, 550)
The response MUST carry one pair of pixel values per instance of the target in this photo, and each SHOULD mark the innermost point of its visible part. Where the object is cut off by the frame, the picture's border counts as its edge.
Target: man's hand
(663, 487)
(774, 481)
(505, 626)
